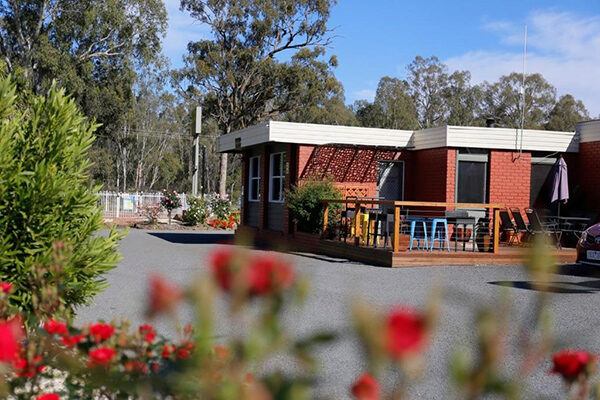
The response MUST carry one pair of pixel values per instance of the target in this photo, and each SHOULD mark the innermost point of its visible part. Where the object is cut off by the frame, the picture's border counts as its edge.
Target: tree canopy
(264, 59)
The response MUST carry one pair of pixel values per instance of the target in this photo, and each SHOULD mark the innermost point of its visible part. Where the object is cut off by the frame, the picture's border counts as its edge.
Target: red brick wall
(509, 179)
(451, 176)
(433, 175)
(589, 174)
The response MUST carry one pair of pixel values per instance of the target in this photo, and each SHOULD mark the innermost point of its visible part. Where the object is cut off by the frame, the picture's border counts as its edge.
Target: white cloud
(563, 47)
(364, 94)
(182, 29)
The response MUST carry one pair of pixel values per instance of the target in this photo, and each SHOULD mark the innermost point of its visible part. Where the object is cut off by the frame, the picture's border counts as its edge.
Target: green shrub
(45, 197)
(197, 211)
(304, 202)
(220, 208)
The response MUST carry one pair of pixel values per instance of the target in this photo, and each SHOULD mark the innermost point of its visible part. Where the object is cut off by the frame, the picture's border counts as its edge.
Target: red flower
(366, 388)
(163, 296)
(268, 274)
(25, 368)
(571, 363)
(183, 354)
(167, 351)
(6, 287)
(48, 396)
(404, 332)
(11, 334)
(53, 326)
(101, 331)
(221, 352)
(148, 332)
(71, 341)
(101, 356)
(221, 261)
(136, 366)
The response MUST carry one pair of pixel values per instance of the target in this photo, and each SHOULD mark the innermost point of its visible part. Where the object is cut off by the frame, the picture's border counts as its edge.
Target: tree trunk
(124, 176)
(223, 176)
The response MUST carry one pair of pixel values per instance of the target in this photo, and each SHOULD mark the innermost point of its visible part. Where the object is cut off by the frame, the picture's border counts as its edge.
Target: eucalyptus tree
(427, 79)
(565, 115)
(258, 61)
(502, 100)
(42, 40)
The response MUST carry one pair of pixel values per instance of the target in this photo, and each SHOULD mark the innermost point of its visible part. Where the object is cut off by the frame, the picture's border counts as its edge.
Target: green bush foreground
(45, 197)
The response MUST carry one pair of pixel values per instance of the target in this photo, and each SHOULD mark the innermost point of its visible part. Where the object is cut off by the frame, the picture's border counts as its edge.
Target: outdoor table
(568, 224)
(465, 222)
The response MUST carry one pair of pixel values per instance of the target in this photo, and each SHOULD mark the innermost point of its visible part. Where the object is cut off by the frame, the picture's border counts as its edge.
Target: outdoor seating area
(412, 226)
(561, 230)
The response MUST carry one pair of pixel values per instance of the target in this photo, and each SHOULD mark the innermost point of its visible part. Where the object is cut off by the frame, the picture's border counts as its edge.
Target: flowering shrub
(228, 223)
(197, 211)
(220, 207)
(50, 358)
(151, 211)
(170, 201)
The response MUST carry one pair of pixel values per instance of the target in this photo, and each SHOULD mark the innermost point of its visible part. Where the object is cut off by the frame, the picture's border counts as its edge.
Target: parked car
(588, 246)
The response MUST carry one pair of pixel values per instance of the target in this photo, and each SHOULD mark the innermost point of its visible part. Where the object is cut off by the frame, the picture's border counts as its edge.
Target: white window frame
(273, 177)
(254, 177)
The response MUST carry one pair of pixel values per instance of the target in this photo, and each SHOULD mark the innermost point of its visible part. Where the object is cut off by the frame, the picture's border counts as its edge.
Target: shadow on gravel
(325, 258)
(552, 287)
(194, 238)
(579, 270)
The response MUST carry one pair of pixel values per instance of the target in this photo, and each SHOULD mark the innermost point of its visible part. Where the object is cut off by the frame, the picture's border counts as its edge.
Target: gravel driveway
(181, 256)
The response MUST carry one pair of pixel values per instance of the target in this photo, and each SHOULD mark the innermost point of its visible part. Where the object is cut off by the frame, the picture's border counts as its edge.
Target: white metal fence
(126, 205)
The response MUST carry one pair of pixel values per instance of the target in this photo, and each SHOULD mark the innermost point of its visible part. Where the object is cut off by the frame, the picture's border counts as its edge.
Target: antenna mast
(523, 91)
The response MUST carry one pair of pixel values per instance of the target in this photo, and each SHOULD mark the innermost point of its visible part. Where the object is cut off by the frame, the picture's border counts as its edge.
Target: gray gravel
(334, 282)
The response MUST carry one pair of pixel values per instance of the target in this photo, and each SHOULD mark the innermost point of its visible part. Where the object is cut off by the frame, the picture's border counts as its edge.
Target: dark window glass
(277, 165)
(277, 176)
(254, 190)
(254, 179)
(541, 185)
(471, 182)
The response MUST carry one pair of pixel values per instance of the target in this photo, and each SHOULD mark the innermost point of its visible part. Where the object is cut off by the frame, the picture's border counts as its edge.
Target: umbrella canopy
(560, 185)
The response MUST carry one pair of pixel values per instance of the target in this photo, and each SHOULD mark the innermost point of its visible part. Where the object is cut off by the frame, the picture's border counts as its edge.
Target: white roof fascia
(589, 131)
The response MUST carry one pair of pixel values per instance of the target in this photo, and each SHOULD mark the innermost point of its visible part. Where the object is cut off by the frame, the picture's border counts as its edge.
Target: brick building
(447, 164)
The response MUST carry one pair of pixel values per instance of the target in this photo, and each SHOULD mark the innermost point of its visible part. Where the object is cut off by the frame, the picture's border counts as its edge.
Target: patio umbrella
(560, 185)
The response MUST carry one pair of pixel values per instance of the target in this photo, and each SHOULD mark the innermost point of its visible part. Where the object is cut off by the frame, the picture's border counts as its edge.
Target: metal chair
(545, 228)
(439, 233)
(520, 225)
(507, 226)
(377, 227)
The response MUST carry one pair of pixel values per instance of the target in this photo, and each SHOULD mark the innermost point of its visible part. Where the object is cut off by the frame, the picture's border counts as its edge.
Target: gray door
(390, 185)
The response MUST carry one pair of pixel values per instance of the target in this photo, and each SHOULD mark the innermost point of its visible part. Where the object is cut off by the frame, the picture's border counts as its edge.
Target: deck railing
(357, 204)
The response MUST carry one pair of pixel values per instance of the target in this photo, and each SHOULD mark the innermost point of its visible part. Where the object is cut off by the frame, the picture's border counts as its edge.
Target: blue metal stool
(413, 227)
(436, 234)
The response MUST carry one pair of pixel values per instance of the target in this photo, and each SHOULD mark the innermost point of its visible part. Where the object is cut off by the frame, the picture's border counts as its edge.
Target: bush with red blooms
(573, 364)
(220, 223)
(256, 275)
(366, 388)
(50, 358)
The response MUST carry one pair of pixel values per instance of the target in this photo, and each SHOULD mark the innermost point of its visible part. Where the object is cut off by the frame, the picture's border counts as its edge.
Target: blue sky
(379, 38)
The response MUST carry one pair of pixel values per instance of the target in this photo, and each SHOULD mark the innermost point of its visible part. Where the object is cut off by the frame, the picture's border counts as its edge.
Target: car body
(588, 246)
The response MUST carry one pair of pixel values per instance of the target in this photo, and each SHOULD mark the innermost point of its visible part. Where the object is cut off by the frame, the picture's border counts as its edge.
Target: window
(471, 176)
(254, 179)
(277, 173)
(541, 179)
